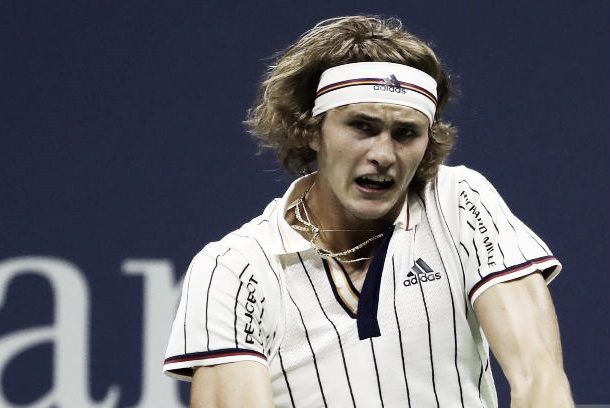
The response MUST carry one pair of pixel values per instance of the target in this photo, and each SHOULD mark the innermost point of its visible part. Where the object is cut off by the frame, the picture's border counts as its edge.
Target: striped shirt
(409, 338)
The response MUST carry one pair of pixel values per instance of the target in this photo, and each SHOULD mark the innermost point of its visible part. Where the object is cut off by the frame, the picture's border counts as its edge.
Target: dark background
(121, 137)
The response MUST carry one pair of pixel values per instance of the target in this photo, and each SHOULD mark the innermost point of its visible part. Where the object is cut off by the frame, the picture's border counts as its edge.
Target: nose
(381, 153)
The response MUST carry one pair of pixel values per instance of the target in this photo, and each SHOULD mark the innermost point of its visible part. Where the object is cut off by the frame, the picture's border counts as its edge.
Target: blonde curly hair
(281, 116)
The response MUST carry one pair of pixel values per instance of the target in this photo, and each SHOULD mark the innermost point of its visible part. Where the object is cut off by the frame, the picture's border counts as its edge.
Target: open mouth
(375, 182)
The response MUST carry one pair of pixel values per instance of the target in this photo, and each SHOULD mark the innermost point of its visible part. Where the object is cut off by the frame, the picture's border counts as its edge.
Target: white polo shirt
(409, 338)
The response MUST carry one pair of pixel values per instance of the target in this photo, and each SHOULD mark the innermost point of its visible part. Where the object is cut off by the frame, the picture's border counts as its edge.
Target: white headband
(376, 82)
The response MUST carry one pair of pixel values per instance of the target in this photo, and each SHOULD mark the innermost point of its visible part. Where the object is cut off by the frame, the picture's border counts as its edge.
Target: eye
(363, 126)
(404, 133)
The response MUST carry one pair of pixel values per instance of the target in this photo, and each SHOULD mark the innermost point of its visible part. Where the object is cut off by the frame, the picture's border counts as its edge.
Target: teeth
(377, 178)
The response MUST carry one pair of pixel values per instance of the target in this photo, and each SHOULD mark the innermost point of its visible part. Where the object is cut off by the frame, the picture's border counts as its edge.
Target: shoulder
(258, 229)
(248, 245)
(256, 235)
(450, 182)
(454, 184)
(455, 175)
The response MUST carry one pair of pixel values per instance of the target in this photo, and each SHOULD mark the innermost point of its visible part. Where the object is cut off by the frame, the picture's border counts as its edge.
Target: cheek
(422, 148)
(422, 153)
(415, 156)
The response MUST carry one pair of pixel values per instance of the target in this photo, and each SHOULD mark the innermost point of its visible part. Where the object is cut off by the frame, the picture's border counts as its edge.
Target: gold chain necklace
(309, 227)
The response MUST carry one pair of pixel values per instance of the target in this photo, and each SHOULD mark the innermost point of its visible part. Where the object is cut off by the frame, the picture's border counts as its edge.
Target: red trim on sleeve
(509, 271)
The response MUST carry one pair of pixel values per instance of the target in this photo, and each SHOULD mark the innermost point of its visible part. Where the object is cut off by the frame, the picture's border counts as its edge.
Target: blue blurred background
(122, 153)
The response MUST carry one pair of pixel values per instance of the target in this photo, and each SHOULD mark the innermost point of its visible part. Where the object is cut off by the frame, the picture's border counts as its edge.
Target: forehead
(381, 111)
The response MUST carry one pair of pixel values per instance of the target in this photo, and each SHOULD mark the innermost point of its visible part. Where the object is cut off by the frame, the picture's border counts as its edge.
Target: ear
(314, 139)
(314, 142)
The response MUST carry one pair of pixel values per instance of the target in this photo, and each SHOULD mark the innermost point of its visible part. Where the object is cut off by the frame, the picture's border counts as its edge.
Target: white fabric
(262, 294)
(376, 82)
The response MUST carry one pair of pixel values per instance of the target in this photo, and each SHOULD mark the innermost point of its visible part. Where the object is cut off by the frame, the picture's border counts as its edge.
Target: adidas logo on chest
(421, 273)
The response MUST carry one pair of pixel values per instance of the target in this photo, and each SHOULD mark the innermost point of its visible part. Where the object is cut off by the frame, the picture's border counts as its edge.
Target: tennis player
(382, 276)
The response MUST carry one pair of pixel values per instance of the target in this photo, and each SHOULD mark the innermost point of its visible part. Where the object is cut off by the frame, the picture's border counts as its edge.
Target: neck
(334, 236)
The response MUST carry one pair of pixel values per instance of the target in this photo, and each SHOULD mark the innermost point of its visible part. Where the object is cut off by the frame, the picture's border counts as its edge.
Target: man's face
(367, 154)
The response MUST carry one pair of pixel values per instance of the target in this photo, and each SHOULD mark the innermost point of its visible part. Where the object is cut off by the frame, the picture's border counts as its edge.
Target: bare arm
(232, 385)
(518, 319)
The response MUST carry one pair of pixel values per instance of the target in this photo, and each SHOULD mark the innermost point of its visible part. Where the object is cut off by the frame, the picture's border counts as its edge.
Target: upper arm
(232, 385)
(519, 321)
(228, 313)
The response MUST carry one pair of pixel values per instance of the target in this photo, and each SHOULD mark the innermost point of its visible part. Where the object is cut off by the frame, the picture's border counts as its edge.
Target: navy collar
(366, 316)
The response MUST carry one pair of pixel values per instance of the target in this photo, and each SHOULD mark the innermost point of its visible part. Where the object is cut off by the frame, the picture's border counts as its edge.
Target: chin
(378, 211)
(372, 214)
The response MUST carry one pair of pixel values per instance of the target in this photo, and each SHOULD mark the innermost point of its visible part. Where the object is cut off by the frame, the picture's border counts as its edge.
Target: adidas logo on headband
(391, 81)
(391, 84)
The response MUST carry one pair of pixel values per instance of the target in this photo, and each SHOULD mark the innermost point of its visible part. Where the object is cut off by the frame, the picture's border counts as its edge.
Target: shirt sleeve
(220, 317)
(494, 245)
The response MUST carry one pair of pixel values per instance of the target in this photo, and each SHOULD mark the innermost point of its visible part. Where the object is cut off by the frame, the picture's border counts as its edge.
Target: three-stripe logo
(421, 272)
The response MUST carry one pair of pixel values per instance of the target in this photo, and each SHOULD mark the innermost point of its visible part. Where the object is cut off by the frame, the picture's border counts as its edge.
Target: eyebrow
(397, 123)
(357, 115)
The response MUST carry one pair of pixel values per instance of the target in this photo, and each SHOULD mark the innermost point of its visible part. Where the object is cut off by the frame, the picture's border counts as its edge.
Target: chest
(416, 314)
(414, 297)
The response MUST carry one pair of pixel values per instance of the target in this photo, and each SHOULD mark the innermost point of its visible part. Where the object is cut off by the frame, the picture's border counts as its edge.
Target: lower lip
(372, 191)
